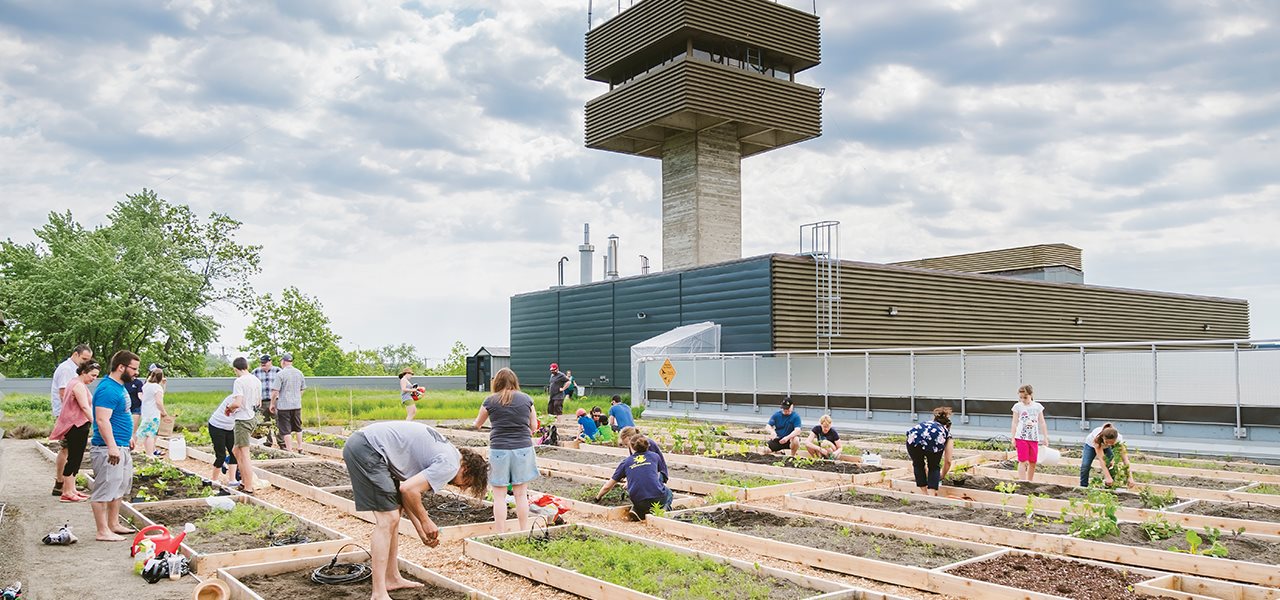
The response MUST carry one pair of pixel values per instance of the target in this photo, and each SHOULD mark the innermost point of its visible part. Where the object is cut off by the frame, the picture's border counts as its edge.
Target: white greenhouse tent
(696, 338)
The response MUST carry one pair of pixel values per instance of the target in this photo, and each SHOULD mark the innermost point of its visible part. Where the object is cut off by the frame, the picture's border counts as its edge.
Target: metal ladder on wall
(821, 241)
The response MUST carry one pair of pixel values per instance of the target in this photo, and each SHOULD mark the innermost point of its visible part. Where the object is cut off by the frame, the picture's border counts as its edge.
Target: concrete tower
(701, 84)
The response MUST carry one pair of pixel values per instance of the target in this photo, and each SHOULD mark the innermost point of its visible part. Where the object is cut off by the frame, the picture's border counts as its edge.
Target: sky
(412, 165)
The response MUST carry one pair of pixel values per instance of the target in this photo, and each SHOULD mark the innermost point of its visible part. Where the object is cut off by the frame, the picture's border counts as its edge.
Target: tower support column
(701, 197)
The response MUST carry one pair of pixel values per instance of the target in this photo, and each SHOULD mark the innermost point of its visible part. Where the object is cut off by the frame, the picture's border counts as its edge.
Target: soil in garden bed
(206, 542)
(1131, 534)
(1140, 477)
(725, 478)
(298, 584)
(830, 535)
(1082, 581)
(181, 488)
(1234, 510)
(466, 442)
(325, 439)
(828, 466)
(320, 474)
(655, 571)
(577, 456)
(449, 510)
(583, 492)
(885, 454)
(269, 453)
(1057, 492)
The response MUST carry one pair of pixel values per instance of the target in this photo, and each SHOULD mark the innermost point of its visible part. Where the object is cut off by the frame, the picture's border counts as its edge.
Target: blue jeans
(1086, 462)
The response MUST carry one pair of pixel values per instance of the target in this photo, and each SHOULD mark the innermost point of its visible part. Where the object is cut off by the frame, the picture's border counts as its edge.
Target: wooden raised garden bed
(896, 557)
(1050, 497)
(249, 535)
(837, 471)
(1252, 558)
(595, 563)
(1189, 492)
(1186, 587)
(1031, 575)
(578, 494)
(684, 478)
(327, 445)
(291, 580)
(1069, 474)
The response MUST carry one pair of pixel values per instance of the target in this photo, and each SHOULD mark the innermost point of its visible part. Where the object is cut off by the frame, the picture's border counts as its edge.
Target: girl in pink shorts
(1028, 431)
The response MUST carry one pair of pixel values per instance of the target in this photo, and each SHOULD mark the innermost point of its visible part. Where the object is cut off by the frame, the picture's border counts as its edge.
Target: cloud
(414, 164)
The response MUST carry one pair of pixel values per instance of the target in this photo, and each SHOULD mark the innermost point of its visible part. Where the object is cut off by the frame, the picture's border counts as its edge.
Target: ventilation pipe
(644, 265)
(586, 253)
(560, 270)
(612, 272)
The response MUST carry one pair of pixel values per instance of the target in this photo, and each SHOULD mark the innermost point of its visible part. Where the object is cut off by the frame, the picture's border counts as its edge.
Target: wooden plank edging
(239, 591)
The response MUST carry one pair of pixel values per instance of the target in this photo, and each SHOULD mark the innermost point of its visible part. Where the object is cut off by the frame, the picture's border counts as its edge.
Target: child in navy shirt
(644, 482)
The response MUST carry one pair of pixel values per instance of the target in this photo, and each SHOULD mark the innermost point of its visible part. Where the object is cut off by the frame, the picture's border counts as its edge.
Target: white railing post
(964, 389)
(1084, 389)
(866, 367)
(695, 381)
(1020, 381)
(1156, 427)
(1241, 432)
(826, 382)
(755, 385)
(914, 416)
(724, 383)
(788, 374)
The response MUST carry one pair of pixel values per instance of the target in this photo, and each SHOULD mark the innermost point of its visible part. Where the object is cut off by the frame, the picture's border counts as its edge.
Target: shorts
(372, 486)
(289, 420)
(775, 445)
(110, 482)
(135, 406)
(512, 467)
(244, 431)
(149, 428)
(1028, 451)
(406, 401)
(555, 406)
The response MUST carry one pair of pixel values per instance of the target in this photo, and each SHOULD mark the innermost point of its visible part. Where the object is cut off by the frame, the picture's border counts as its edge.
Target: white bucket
(1048, 456)
(177, 448)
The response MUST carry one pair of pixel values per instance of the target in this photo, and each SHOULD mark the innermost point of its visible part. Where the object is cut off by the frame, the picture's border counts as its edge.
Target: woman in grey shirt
(511, 455)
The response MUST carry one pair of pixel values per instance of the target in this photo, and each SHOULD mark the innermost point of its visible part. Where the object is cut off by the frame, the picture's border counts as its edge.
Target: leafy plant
(1156, 500)
(1160, 529)
(656, 510)
(747, 481)
(958, 472)
(721, 496)
(1265, 488)
(1195, 544)
(1096, 517)
(247, 519)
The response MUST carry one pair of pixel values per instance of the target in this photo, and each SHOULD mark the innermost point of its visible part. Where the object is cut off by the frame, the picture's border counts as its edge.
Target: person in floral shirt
(929, 445)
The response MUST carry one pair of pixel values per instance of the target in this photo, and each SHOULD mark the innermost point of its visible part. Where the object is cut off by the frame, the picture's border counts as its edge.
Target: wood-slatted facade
(1007, 259)
(946, 308)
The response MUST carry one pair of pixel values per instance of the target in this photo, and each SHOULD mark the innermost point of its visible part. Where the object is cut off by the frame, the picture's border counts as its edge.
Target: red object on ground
(164, 541)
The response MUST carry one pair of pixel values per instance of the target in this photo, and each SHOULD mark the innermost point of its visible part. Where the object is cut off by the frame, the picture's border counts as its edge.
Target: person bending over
(929, 446)
(784, 427)
(644, 482)
(392, 464)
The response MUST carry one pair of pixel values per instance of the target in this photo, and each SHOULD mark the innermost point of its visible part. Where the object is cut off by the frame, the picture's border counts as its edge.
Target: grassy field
(335, 407)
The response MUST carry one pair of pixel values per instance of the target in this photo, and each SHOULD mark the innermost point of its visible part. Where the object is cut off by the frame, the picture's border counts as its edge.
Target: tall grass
(319, 407)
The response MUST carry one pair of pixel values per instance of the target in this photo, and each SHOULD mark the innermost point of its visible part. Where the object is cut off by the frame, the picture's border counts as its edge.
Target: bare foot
(122, 530)
(402, 583)
(111, 537)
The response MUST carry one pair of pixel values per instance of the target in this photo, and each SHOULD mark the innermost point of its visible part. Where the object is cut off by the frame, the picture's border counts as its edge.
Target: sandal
(66, 498)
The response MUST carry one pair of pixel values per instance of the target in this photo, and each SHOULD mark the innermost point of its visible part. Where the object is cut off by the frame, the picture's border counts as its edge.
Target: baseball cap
(265, 358)
(786, 402)
(555, 366)
(582, 412)
(286, 357)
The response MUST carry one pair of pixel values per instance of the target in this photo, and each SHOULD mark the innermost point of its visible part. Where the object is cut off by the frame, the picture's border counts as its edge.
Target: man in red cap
(555, 390)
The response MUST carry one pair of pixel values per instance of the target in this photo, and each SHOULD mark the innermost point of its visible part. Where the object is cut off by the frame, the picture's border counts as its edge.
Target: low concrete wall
(219, 384)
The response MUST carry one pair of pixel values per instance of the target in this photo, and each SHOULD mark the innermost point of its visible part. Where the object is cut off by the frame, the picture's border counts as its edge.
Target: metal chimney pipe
(560, 268)
(644, 265)
(586, 253)
(612, 273)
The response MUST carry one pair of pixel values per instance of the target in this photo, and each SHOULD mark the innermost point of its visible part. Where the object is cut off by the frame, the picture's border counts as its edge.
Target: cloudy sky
(413, 164)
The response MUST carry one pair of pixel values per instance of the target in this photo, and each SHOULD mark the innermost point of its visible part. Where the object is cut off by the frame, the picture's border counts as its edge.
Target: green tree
(454, 364)
(395, 358)
(295, 324)
(145, 281)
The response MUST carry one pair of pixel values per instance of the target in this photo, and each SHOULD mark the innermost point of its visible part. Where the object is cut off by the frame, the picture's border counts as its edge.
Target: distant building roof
(1005, 259)
(503, 351)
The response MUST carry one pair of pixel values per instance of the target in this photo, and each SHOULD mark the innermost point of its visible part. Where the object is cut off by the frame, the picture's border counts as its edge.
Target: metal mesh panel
(771, 374)
(1119, 377)
(890, 375)
(1196, 377)
(937, 375)
(738, 374)
(992, 376)
(1054, 375)
(806, 374)
(848, 375)
(1260, 377)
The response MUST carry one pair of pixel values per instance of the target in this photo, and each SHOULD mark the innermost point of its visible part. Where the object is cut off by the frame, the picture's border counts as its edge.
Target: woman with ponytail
(511, 456)
(1098, 444)
(929, 446)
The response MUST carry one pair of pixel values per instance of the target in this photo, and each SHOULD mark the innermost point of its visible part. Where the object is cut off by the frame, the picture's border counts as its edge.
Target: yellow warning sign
(668, 372)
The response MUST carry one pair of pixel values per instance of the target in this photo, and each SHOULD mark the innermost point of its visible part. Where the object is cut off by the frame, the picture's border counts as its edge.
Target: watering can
(164, 542)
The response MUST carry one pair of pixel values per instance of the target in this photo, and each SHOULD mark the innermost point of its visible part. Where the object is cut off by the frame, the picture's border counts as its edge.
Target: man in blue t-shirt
(785, 429)
(112, 441)
(620, 415)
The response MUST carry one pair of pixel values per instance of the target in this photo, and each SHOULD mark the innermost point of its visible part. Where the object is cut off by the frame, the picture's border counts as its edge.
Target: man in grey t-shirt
(392, 464)
(286, 401)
